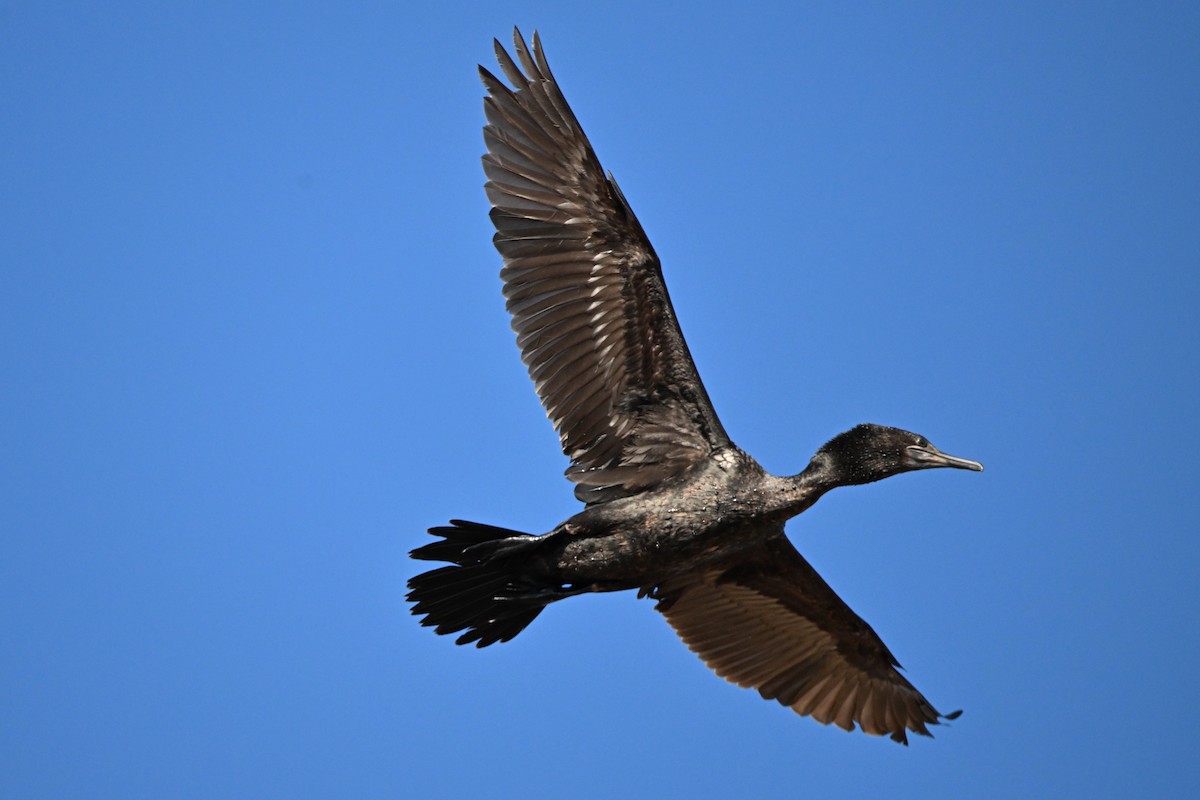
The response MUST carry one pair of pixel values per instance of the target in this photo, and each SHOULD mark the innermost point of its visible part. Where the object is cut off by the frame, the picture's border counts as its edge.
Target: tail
(483, 593)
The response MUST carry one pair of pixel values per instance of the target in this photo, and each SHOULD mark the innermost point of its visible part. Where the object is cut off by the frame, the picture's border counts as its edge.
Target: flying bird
(673, 508)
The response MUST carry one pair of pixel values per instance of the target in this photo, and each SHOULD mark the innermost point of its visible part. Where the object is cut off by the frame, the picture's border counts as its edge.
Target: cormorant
(674, 509)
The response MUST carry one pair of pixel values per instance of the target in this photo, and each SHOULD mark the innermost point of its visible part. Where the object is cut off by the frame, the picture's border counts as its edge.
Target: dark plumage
(674, 509)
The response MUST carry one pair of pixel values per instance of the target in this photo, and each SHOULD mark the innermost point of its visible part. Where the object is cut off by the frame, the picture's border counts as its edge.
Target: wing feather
(584, 287)
(771, 623)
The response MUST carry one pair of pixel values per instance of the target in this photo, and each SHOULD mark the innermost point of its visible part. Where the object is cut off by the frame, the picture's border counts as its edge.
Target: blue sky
(252, 344)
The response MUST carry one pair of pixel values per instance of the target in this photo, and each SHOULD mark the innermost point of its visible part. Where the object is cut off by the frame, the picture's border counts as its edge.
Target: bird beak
(929, 457)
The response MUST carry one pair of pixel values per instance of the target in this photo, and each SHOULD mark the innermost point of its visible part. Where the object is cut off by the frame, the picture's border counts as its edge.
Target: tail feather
(482, 593)
(459, 537)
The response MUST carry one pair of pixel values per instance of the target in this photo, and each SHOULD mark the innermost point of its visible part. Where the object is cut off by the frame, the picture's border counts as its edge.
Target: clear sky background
(252, 344)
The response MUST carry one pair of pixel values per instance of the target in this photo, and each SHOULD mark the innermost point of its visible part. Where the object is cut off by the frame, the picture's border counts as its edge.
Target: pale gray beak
(929, 457)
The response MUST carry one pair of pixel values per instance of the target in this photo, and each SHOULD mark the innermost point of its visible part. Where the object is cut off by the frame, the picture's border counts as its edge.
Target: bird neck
(796, 493)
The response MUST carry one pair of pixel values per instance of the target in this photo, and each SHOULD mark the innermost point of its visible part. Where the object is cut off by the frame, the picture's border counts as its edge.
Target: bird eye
(922, 441)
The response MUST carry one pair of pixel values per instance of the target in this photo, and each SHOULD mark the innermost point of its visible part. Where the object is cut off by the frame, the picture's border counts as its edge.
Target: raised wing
(583, 284)
(772, 624)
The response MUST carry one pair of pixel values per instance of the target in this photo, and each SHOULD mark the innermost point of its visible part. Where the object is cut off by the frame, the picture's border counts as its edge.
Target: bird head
(870, 452)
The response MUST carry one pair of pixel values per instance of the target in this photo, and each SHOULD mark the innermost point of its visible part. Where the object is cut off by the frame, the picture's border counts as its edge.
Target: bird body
(643, 539)
(674, 509)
